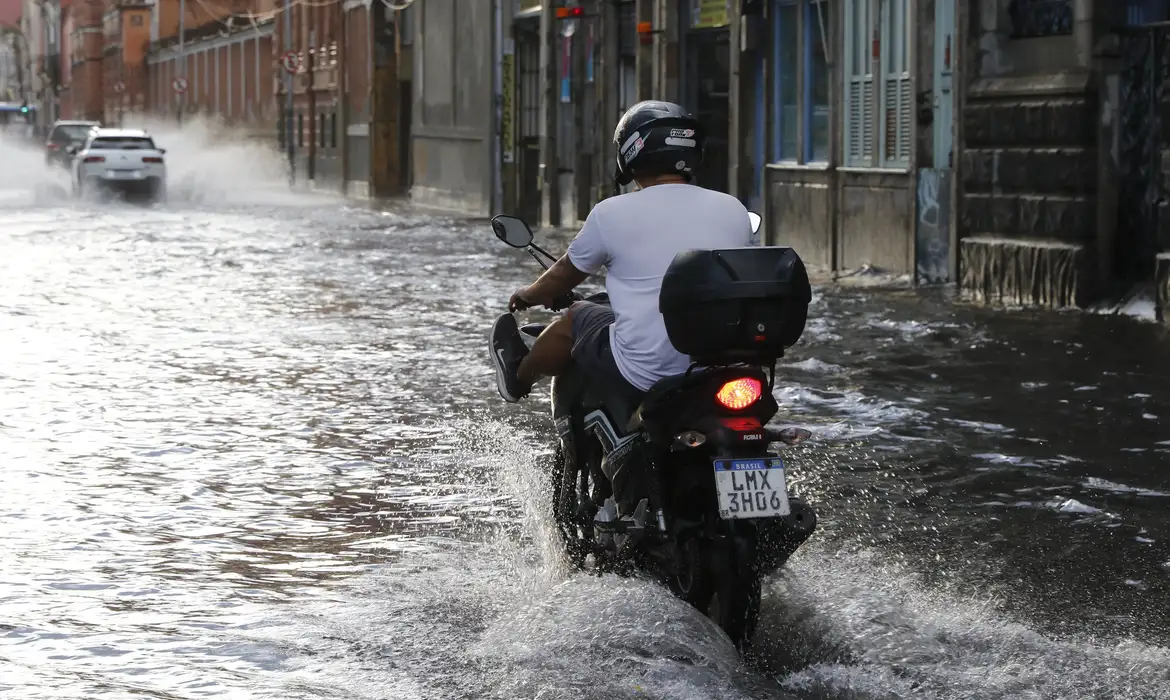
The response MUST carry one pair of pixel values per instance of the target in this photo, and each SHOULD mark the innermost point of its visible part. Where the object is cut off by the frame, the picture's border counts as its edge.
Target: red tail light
(740, 393)
(94, 159)
(152, 159)
(52, 146)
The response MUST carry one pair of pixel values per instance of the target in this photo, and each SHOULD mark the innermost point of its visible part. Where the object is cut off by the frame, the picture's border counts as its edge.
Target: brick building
(226, 59)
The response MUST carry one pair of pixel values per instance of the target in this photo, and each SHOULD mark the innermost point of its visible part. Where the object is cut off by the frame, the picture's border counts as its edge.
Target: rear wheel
(735, 607)
(720, 587)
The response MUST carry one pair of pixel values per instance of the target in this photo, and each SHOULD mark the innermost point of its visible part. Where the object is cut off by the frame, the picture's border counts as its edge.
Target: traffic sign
(119, 87)
(179, 85)
(290, 61)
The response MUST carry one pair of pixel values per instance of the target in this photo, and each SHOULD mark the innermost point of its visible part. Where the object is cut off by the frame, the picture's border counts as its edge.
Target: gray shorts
(591, 344)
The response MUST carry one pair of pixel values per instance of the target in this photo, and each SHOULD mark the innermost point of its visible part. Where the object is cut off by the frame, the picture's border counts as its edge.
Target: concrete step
(999, 270)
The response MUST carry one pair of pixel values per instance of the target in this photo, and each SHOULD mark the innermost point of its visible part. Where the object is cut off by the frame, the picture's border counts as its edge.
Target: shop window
(800, 80)
(879, 105)
(333, 130)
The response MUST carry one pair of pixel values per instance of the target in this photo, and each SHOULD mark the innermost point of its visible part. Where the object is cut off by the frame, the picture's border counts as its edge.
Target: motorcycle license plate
(751, 488)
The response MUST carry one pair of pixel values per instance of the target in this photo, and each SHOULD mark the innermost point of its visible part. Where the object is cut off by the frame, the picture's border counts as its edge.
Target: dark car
(63, 135)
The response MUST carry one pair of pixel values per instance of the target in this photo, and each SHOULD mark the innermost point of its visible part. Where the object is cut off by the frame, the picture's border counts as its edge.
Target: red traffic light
(570, 12)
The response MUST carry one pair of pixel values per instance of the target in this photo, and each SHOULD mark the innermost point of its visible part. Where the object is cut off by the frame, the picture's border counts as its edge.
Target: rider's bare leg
(551, 353)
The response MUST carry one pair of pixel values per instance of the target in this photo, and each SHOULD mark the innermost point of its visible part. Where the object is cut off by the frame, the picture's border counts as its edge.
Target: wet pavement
(253, 449)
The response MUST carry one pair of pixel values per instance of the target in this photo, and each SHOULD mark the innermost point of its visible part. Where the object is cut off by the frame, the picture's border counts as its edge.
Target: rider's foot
(507, 351)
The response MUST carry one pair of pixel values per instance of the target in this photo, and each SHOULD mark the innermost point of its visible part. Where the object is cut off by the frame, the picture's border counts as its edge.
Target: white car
(120, 160)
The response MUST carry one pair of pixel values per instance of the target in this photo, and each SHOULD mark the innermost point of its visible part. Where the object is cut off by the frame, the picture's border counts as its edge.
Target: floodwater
(252, 448)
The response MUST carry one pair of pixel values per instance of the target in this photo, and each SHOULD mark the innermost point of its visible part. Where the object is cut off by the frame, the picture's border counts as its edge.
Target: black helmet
(655, 137)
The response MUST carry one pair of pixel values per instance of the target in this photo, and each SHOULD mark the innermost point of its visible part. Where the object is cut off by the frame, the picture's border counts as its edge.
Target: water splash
(210, 162)
(501, 617)
(207, 163)
(856, 624)
(25, 178)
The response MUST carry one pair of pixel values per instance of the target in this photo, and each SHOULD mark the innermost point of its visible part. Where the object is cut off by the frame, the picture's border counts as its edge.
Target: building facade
(1013, 147)
(454, 131)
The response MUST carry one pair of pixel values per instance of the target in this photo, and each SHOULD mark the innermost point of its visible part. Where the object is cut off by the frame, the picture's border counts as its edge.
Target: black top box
(735, 305)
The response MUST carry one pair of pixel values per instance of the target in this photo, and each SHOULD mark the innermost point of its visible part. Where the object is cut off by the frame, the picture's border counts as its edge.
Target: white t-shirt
(636, 236)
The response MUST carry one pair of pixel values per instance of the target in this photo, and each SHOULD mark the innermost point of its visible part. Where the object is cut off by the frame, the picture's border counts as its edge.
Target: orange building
(126, 36)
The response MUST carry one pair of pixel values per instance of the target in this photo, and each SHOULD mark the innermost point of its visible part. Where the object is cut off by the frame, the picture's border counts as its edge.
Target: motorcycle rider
(635, 236)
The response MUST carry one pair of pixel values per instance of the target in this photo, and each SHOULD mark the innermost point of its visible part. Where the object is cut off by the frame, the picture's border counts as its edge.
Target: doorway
(1145, 59)
(528, 194)
(706, 91)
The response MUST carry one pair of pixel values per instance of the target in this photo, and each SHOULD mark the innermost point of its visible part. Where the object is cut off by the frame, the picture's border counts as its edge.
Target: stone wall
(1029, 173)
(1029, 165)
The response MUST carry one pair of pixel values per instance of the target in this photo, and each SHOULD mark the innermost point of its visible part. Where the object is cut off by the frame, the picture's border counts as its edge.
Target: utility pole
(288, 90)
(310, 67)
(548, 144)
(181, 97)
(341, 97)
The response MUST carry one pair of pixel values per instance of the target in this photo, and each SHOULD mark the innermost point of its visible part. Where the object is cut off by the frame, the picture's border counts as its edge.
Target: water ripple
(254, 450)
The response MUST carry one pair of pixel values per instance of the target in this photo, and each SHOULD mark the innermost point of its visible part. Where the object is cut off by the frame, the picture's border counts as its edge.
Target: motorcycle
(680, 482)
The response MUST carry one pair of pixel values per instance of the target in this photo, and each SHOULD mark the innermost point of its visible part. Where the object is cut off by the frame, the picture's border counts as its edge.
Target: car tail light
(94, 159)
(52, 146)
(152, 159)
(740, 393)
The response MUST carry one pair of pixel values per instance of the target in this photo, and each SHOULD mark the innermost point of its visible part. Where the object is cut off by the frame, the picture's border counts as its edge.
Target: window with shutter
(897, 95)
(859, 88)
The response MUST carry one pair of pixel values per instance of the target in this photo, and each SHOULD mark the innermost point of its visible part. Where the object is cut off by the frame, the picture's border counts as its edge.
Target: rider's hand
(519, 300)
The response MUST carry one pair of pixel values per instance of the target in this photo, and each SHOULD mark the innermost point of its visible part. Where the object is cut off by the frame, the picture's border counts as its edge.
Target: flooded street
(253, 449)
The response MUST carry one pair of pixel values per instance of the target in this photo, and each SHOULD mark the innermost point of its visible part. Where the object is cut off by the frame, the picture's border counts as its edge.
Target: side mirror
(162, 150)
(755, 219)
(71, 150)
(512, 230)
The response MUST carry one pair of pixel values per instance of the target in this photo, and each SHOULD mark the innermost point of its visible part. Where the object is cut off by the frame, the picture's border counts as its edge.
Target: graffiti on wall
(1039, 18)
(932, 233)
